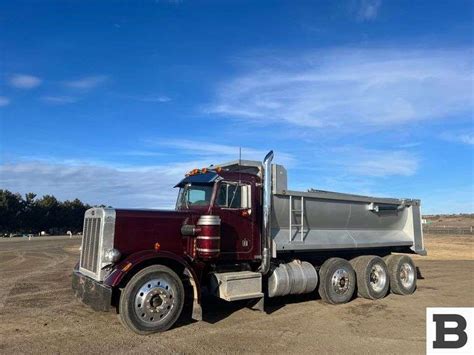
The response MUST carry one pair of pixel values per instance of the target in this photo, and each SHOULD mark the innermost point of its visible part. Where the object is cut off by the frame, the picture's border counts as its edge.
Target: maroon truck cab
(216, 224)
(180, 232)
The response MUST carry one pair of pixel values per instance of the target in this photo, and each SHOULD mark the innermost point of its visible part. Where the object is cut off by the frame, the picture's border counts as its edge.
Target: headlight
(111, 255)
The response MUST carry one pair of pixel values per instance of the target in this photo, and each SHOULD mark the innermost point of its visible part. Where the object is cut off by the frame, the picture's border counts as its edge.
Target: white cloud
(350, 88)
(141, 153)
(4, 101)
(358, 170)
(375, 163)
(449, 199)
(409, 145)
(88, 82)
(148, 187)
(200, 147)
(367, 10)
(220, 153)
(59, 100)
(389, 164)
(465, 137)
(23, 81)
(161, 99)
(98, 182)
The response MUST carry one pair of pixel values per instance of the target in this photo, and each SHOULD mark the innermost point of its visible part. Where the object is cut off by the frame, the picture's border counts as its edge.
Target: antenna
(240, 163)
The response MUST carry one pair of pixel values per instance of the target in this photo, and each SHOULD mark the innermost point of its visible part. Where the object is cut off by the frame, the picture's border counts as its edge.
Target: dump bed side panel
(324, 221)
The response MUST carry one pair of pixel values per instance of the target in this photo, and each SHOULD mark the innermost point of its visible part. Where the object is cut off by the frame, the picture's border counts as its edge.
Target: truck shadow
(274, 304)
(215, 309)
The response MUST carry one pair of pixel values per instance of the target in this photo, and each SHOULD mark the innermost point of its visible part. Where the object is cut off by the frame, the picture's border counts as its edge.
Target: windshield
(194, 195)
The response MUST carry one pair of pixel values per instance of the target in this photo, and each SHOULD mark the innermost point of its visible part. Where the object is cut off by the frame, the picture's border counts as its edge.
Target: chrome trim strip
(209, 220)
(208, 238)
(208, 250)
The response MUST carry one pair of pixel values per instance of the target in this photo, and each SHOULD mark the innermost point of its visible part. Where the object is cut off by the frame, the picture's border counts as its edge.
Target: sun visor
(199, 179)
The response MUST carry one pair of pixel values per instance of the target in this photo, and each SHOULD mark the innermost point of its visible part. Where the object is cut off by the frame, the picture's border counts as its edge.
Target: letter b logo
(449, 330)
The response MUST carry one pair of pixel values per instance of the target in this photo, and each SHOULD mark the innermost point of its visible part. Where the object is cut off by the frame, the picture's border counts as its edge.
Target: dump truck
(238, 233)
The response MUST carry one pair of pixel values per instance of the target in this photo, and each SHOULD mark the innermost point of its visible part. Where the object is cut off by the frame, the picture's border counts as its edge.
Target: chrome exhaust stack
(267, 210)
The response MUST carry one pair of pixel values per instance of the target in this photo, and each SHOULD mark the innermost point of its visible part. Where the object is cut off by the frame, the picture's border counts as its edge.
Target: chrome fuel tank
(294, 278)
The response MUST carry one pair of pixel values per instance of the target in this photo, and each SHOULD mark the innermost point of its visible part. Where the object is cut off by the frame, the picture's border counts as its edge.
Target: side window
(233, 195)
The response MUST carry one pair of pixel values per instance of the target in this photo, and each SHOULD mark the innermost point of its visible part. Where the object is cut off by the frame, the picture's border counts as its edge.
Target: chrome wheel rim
(377, 278)
(407, 275)
(340, 281)
(154, 301)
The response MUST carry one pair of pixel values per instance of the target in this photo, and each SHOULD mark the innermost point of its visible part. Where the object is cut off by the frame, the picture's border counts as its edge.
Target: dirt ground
(457, 221)
(39, 314)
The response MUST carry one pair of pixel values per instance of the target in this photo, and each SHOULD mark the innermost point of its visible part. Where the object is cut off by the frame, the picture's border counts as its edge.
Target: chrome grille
(91, 244)
(98, 236)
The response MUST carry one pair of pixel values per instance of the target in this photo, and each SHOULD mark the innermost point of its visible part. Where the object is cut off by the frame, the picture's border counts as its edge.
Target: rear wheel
(402, 272)
(152, 301)
(337, 281)
(372, 276)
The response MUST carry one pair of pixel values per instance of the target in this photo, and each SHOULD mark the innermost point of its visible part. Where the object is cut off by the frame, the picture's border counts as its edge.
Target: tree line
(29, 214)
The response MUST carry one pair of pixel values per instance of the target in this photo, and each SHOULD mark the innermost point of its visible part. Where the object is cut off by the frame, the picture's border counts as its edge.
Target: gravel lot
(38, 312)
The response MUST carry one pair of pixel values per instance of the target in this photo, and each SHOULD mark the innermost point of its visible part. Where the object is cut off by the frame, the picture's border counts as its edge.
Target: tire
(373, 280)
(337, 281)
(402, 273)
(152, 300)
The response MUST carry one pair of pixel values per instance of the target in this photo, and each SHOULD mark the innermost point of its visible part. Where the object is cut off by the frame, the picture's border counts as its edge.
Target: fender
(132, 264)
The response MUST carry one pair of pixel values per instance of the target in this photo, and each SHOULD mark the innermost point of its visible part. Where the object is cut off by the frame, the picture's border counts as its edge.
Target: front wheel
(152, 301)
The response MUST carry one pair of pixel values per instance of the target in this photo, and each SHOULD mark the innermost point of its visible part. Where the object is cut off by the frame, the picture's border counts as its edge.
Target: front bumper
(91, 292)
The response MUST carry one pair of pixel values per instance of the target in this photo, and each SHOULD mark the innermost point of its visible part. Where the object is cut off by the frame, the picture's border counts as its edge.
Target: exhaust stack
(267, 210)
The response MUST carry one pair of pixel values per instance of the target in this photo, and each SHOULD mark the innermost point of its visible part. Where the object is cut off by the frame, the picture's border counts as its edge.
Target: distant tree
(32, 215)
(72, 214)
(49, 209)
(11, 206)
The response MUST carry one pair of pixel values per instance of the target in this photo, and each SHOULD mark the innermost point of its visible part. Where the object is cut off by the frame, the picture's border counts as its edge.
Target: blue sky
(112, 102)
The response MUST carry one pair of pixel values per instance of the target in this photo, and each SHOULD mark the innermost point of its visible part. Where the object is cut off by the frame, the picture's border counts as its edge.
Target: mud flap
(197, 310)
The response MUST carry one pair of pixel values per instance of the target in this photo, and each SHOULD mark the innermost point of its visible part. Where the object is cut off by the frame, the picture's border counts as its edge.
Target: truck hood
(138, 230)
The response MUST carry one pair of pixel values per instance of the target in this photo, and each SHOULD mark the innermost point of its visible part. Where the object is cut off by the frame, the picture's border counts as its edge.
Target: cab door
(234, 204)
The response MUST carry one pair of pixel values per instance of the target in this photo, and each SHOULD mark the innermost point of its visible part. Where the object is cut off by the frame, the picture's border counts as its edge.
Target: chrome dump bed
(323, 220)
